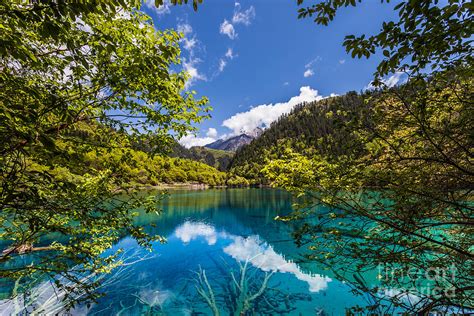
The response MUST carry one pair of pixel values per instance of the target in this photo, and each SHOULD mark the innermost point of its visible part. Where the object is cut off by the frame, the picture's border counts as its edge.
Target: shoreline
(192, 186)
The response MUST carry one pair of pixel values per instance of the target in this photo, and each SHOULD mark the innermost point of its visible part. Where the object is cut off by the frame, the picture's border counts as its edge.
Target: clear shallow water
(215, 230)
(224, 251)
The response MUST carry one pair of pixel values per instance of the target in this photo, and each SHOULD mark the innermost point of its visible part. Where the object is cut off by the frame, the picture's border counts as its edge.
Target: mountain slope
(236, 142)
(310, 127)
(218, 159)
(231, 144)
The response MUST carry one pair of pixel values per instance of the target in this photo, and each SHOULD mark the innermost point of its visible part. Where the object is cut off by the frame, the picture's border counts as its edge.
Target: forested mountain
(309, 128)
(142, 170)
(136, 165)
(219, 159)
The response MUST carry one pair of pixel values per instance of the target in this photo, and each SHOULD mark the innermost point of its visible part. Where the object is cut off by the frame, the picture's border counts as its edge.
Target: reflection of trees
(267, 202)
(251, 207)
(243, 292)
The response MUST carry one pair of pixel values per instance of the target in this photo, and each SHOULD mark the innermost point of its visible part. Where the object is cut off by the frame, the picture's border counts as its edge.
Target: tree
(77, 78)
(406, 201)
(404, 206)
(428, 34)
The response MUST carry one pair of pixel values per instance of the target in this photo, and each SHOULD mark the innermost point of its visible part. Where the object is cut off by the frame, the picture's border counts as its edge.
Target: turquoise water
(224, 254)
(213, 231)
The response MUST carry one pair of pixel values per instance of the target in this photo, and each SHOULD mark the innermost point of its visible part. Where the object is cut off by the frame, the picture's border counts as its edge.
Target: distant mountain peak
(255, 133)
(235, 142)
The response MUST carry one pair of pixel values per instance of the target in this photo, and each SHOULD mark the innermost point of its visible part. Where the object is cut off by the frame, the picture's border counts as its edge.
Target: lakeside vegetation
(139, 169)
(82, 80)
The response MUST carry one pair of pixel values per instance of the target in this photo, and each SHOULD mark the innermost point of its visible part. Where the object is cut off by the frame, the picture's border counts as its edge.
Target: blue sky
(255, 60)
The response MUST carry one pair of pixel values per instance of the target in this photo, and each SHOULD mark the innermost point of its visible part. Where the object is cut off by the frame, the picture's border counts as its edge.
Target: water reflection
(228, 234)
(190, 231)
(262, 256)
(46, 298)
(250, 249)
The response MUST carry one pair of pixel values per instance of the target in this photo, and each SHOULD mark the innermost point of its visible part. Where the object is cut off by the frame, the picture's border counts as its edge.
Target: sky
(255, 60)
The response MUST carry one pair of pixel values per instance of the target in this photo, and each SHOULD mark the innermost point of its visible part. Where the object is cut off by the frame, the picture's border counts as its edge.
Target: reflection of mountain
(258, 203)
(237, 210)
(203, 229)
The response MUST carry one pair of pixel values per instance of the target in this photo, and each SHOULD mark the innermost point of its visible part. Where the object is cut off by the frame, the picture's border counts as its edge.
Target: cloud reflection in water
(259, 253)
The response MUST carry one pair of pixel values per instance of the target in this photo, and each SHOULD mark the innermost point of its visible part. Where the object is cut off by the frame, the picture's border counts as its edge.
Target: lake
(225, 254)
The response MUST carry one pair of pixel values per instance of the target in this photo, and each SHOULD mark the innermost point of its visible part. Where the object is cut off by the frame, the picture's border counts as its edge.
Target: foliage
(175, 2)
(406, 202)
(219, 159)
(428, 34)
(78, 81)
(399, 193)
(319, 126)
(139, 169)
(392, 167)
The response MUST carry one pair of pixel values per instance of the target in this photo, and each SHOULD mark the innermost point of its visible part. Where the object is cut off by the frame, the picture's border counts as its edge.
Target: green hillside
(320, 126)
(219, 159)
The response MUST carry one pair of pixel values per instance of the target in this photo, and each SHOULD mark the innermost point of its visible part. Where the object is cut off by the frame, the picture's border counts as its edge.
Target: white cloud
(227, 28)
(286, 83)
(189, 40)
(191, 140)
(342, 61)
(239, 17)
(192, 230)
(190, 67)
(262, 256)
(191, 45)
(184, 28)
(161, 10)
(392, 81)
(312, 62)
(243, 17)
(263, 115)
(211, 132)
(309, 67)
(308, 73)
(230, 53)
(222, 64)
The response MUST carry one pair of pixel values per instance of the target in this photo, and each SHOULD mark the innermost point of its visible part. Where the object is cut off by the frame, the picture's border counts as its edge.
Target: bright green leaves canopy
(81, 78)
(112, 67)
(402, 197)
(175, 2)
